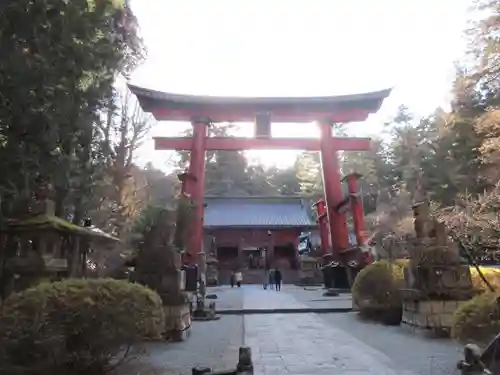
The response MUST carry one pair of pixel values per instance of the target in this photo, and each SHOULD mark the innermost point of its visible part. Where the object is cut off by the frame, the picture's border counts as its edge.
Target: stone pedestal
(203, 311)
(434, 315)
(212, 271)
(177, 321)
(308, 271)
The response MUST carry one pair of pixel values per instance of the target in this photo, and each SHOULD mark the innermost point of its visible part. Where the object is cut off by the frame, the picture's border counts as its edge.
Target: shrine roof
(255, 212)
(177, 107)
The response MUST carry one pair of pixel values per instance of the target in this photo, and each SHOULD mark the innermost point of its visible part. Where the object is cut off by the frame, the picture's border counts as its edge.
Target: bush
(491, 274)
(376, 291)
(478, 320)
(76, 326)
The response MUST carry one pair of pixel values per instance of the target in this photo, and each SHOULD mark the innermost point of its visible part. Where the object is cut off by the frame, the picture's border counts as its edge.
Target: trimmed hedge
(479, 319)
(76, 326)
(491, 274)
(376, 291)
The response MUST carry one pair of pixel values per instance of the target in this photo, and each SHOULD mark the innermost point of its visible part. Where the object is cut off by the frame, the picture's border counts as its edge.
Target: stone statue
(421, 221)
(158, 266)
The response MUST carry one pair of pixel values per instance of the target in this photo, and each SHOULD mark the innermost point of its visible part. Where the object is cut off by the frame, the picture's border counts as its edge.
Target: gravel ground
(408, 349)
(211, 344)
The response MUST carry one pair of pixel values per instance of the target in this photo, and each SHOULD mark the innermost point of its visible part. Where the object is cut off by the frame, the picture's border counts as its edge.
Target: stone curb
(299, 310)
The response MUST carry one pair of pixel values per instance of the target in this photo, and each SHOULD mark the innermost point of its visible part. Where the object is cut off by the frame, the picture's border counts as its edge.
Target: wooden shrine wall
(253, 237)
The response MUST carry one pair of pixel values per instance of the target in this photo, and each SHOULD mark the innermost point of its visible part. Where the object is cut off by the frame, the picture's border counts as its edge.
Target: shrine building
(245, 231)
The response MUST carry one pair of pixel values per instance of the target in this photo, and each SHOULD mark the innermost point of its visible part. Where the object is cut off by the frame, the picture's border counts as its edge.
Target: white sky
(300, 48)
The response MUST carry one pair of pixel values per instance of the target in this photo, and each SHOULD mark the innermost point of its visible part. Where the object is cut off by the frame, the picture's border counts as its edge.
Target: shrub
(76, 326)
(376, 291)
(478, 320)
(491, 274)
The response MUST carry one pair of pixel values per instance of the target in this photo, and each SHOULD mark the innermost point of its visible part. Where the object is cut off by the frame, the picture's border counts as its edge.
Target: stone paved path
(406, 347)
(256, 298)
(300, 344)
(304, 344)
(212, 344)
(313, 297)
(291, 297)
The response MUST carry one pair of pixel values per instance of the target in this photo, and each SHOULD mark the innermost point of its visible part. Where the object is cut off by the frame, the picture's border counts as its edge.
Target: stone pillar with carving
(436, 282)
(203, 312)
(158, 267)
(212, 270)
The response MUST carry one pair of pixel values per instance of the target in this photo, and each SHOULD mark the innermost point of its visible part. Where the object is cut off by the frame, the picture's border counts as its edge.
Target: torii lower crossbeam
(238, 144)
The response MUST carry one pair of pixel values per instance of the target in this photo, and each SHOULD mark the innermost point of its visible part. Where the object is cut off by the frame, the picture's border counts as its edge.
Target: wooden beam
(238, 144)
(226, 115)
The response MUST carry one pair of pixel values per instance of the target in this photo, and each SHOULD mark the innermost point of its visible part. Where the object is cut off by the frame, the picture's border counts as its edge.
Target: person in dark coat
(270, 277)
(232, 279)
(277, 279)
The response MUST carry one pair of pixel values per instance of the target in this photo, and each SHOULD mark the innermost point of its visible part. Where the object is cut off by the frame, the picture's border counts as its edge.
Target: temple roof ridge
(258, 211)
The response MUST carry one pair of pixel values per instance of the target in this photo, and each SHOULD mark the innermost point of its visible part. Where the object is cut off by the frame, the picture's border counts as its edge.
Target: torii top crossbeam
(337, 109)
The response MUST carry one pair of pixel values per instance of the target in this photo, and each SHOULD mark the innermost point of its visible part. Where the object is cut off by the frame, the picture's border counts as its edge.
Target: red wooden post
(356, 207)
(323, 225)
(333, 189)
(197, 187)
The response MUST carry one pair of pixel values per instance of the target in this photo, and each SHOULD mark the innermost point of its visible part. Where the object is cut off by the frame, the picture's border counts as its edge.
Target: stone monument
(309, 273)
(212, 262)
(203, 310)
(158, 266)
(436, 283)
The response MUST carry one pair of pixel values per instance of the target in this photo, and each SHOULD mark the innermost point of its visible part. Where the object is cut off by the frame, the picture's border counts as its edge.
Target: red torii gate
(204, 110)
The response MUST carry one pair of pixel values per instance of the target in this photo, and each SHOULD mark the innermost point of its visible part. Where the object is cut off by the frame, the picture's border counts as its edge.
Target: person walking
(265, 282)
(238, 277)
(232, 279)
(277, 279)
(270, 277)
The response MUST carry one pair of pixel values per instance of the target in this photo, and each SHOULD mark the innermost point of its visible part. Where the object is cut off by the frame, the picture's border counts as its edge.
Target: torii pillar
(196, 187)
(337, 224)
(322, 220)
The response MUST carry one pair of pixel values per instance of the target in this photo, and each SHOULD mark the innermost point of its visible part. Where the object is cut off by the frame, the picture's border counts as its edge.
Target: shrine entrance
(284, 256)
(227, 256)
(202, 111)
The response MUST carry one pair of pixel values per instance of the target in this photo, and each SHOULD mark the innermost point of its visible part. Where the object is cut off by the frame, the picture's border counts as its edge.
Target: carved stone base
(429, 314)
(309, 274)
(177, 321)
(212, 275)
(203, 313)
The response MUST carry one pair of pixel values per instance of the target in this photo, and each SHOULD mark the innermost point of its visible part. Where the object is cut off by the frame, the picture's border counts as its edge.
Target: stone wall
(430, 314)
(177, 321)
